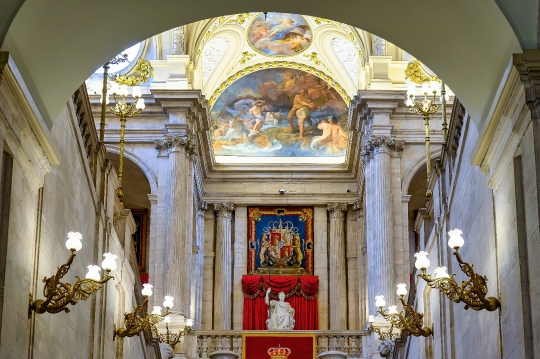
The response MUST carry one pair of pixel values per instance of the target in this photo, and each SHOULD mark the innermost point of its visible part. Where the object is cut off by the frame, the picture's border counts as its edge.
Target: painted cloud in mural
(280, 112)
(279, 34)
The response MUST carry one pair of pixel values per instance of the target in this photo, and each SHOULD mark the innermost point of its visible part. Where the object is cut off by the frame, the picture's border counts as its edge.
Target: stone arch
(415, 167)
(150, 175)
(475, 83)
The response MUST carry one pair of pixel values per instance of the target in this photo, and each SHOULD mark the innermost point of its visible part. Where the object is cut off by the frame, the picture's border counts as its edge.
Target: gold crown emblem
(279, 352)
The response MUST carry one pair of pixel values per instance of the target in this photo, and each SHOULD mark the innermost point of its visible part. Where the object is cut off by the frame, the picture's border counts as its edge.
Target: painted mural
(280, 112)
(279, 34)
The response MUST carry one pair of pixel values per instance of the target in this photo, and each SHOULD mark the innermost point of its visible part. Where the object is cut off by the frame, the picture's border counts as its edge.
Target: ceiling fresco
(279, 34)
(280, 112)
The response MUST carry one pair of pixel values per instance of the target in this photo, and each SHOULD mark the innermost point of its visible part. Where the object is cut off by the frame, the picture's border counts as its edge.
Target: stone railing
(349, 342)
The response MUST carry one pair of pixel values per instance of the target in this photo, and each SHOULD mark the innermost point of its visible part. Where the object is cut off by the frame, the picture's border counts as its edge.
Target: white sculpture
(281, 313)
(166, 351)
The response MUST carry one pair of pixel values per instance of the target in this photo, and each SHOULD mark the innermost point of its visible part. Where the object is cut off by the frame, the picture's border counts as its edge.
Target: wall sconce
(411, 322)
(472, 292)
(58, 295)
(171, 338)
(383, 335)
(135, 323)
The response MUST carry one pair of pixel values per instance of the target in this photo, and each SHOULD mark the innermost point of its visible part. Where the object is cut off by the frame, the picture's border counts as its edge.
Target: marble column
(179, 219)
(223, 267)
(337, 275)
(379, 222)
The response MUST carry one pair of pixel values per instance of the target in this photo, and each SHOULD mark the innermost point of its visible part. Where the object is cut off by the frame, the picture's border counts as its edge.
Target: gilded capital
(224, 209)
(337, 210)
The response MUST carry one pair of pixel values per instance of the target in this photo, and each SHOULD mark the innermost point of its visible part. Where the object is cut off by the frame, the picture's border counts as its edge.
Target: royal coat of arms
(280, 240)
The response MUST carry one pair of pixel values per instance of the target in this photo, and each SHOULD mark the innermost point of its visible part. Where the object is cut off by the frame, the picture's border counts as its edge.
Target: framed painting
(280, 240)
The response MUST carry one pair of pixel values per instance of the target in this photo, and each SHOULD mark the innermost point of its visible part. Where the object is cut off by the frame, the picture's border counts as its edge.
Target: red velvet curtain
(300, 292)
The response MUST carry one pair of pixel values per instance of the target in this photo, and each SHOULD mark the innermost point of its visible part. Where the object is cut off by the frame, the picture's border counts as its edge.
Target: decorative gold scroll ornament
(276, 64)
(142, 72)
(415, 73)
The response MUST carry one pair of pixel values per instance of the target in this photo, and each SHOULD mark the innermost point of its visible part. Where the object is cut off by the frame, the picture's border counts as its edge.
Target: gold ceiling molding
(240, 19)
(416, 74)
(141, 73)
(276, 64)
(206, 37)
(321, 20)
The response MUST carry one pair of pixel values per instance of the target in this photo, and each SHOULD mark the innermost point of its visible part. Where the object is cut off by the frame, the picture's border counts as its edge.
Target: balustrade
(349, 342)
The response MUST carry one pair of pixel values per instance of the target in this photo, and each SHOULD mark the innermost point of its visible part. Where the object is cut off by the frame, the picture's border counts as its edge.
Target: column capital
(202, 206)
(337, 210)
(374, 145)
(174, 143)
(224, 209)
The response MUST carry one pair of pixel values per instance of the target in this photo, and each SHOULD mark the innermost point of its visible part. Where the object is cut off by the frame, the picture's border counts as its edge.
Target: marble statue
(386, 348)
(281, 314)
(166, 351)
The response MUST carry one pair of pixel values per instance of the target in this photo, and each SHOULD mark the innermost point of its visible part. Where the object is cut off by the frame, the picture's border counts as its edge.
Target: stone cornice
(224, 209)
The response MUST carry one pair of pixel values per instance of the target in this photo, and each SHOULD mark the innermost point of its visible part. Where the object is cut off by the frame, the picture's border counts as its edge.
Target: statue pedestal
(223, 354)
(332, 355)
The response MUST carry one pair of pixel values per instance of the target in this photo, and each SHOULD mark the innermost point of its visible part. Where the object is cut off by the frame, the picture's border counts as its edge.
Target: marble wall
(56, 189)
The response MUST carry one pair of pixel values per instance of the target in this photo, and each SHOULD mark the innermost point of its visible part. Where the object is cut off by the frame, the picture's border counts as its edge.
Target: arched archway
(54, 57)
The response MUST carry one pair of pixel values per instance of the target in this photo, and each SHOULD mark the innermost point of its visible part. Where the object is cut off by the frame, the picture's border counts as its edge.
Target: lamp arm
(58, 295)
(134, 323)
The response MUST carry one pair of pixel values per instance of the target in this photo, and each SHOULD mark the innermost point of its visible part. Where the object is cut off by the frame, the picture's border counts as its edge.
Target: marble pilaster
(320, 233)
(337, 272)
(240, 264)
(223, 267)
(199, 266)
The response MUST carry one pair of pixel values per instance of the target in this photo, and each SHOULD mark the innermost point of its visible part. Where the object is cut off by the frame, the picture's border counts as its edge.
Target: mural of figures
(280, 112)
(280, 238)
(279, 34)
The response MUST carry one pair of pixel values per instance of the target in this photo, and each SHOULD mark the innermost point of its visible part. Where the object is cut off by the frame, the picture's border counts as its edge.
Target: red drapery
(300, 292)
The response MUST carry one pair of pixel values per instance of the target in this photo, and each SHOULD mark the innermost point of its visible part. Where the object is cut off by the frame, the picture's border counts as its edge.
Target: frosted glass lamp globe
(157, 310)
(167, 320)
(168, 302)
(379, 301)
(123, 90)
(422, 261)
(440, 272)
(136, 91)
(402, 289)
(455, 241)
(140, 104)
(371, 319)
(392, 309)
(189, 322)
(109, 263)
(147, 289)
(93, 272)
(73, 242)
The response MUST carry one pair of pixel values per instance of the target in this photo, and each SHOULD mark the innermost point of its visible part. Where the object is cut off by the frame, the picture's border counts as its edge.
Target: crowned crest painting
(279, 34)
(280, 112)
(280, 240)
